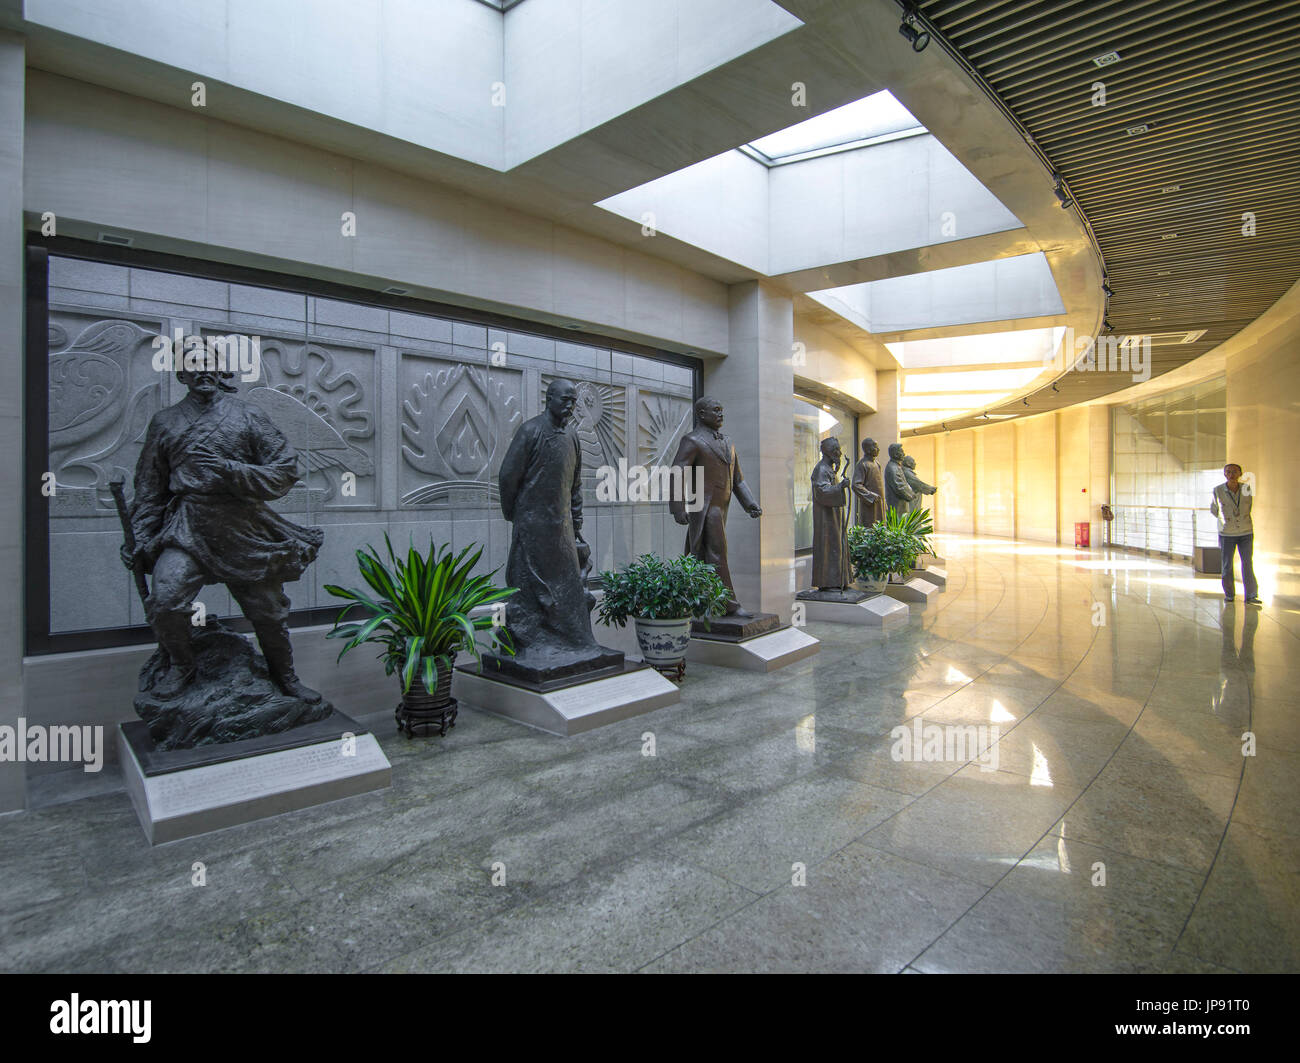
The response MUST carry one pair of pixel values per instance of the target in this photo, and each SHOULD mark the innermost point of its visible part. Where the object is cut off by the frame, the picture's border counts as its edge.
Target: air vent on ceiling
(116, 239)
(1137, 130)
(1164, 339)
(1105, 59)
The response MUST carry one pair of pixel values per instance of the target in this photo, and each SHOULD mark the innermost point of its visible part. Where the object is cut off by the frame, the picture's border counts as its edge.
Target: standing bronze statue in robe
(869, 485)
(830, 497)
(706, 534)
(898, 492)
(919, 487)
(209, 466)
(548, 618)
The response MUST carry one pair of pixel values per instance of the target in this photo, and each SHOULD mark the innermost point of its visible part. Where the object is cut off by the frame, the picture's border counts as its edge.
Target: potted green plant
(918, 524)
(881, 550)
(663, 597)
(421, 617)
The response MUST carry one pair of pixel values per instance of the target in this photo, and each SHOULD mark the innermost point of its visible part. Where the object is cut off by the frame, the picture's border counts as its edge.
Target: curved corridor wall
(1032, 478)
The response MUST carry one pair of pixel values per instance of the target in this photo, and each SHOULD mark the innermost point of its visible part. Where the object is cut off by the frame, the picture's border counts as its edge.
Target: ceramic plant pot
(663, 643)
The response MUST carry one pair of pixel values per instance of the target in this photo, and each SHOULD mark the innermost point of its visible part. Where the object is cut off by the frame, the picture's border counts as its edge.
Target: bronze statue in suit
(706, 528)
(899, 495)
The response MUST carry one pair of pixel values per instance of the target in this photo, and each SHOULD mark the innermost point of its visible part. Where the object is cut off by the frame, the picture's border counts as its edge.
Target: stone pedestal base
(914, 591)
(932, 574)
(570, 709)
(188, 792)
(764, 653)
(556, 671)
(736, 628)
(879, 611)
(846, 596)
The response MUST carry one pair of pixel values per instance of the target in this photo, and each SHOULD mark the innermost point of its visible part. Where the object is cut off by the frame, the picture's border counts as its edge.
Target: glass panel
(400, 421)
(1167, 454)
(814, 422)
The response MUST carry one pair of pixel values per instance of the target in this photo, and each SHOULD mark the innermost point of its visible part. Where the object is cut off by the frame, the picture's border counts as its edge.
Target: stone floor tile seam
(1218, 849)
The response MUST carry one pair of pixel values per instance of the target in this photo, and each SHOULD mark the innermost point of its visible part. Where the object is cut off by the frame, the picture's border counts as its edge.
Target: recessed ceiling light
(1171, 188)
(1137, 130)
(1105, 59)
(1169, 236)
(1162, 273)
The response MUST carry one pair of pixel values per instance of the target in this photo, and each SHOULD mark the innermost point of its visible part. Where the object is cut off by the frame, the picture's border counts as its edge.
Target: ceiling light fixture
(1107, 325)
(1061, 193)
(1105, 59)
(915, 35)
(1055, 388)
(1107, 289)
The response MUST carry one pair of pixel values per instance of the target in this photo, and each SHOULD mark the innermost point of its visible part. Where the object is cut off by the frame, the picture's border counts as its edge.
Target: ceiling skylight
(850, 126)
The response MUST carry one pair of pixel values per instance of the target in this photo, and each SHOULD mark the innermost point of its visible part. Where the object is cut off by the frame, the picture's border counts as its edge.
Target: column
(755, 383)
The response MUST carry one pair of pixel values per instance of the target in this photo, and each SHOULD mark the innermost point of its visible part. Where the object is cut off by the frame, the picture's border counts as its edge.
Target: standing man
(548, 617)
(919, 487)
(208, 468)
(830, 571)
(869, 485)
(898, 492)
(706, 528)
(1231, 504)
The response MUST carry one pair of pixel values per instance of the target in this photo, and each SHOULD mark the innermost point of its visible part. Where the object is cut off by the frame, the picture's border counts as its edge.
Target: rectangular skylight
(868, 119)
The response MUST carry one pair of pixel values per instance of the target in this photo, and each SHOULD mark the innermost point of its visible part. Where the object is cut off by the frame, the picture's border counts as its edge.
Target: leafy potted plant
(663, 597)
(918, 524)
(421, 618)
(884, 549)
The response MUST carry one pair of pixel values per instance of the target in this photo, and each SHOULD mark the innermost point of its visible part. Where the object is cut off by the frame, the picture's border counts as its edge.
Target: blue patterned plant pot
(663, 642)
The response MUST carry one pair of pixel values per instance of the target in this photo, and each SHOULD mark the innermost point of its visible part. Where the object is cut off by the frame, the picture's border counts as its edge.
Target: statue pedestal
(845, 596)
(914, 591)
(569, 708)
(932, 574)
(185, 792)
(878, 611)
(756, 653)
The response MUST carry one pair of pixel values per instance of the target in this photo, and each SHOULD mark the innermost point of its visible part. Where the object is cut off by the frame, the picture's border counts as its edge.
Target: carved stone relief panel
(323, 395)
(456, 422)
(600, 417)
(661, 422)
(103, 389)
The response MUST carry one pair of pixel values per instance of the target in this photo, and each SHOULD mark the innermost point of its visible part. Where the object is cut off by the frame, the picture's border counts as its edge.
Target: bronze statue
(898, 492)
(919, 487)
(706, 535)
(209, 466)
(830, 571)
(548, 618)
(869, 485)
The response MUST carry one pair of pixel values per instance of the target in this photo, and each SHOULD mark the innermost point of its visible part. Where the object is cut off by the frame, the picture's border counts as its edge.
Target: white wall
(118, 162)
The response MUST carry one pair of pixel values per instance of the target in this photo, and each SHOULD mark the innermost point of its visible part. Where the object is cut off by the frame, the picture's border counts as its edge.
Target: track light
(1055, 388)
(1025, 400)
(915, 35)
(1107, 289)
(1107, 325)
(1060, 192)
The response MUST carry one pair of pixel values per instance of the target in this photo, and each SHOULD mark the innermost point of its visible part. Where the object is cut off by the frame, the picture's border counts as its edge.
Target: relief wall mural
(400, 421)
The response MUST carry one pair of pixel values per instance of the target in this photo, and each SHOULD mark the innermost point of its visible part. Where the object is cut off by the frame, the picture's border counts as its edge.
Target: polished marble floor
(1116, 827)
